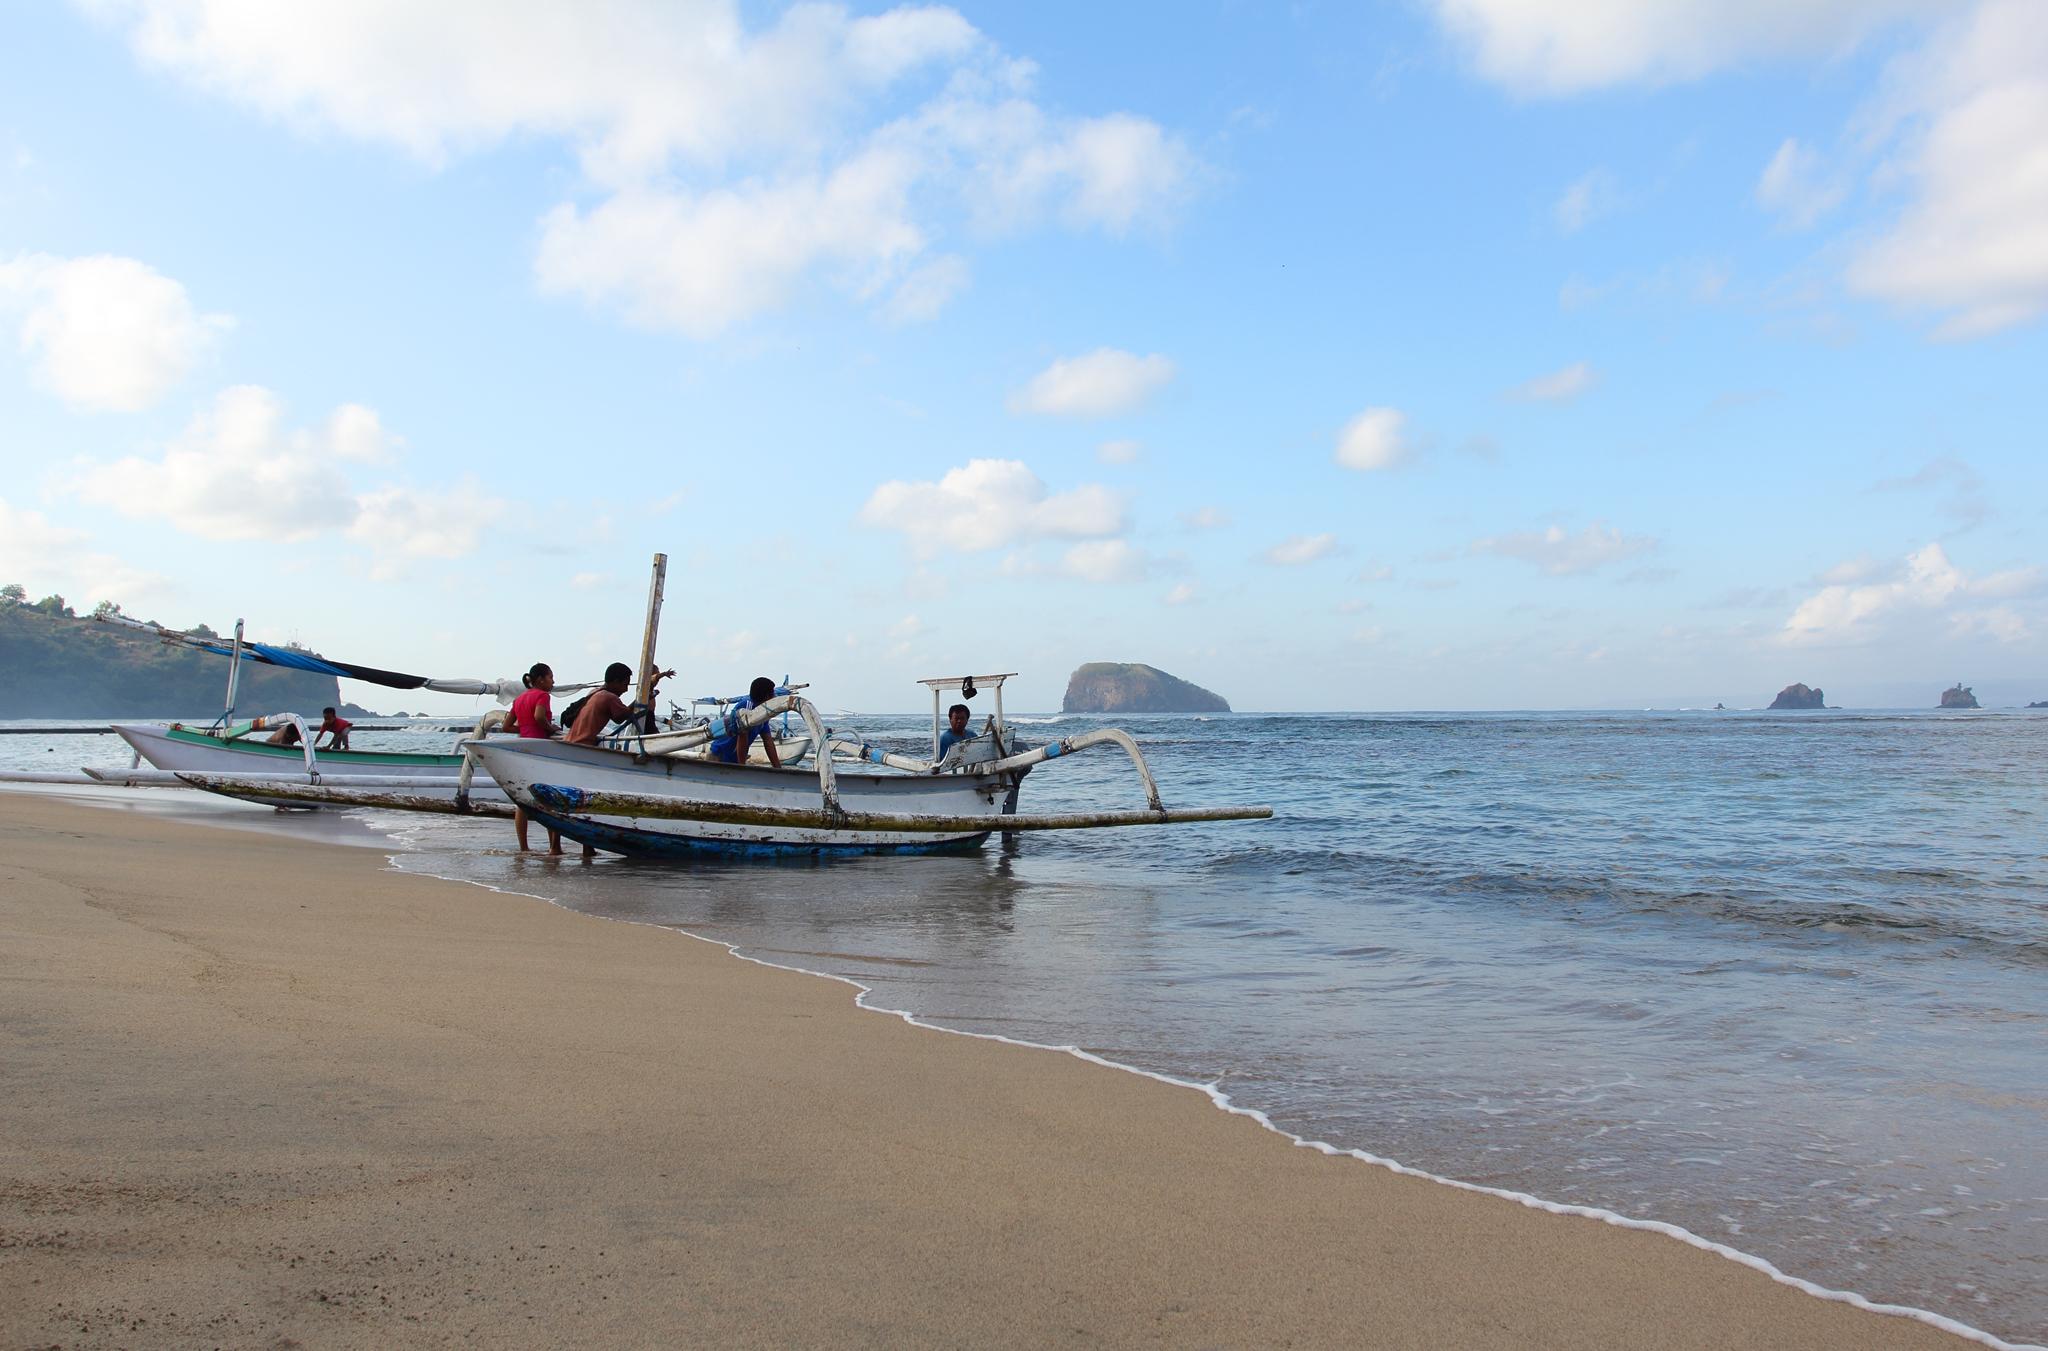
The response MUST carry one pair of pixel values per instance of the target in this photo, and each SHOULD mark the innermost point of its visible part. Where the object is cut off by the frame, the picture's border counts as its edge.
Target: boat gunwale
(241, 746)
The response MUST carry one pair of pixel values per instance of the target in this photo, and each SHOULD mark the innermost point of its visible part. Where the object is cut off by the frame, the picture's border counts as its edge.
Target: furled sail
(299, 659)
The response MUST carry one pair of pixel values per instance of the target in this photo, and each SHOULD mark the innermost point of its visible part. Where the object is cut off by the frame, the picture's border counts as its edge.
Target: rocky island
(1798, 696)
(1133, 687)
(1959, 697)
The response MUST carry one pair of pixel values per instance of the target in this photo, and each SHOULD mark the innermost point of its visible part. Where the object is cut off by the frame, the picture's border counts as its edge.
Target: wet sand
(262, 1092)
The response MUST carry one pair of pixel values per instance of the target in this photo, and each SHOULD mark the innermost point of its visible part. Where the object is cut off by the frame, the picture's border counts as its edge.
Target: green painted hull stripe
(298, 754)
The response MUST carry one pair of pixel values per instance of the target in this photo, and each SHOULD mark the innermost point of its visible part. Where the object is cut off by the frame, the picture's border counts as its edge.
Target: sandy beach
(263, 1092)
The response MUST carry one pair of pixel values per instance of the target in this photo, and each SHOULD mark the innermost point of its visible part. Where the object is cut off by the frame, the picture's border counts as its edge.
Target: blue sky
(1447, 354)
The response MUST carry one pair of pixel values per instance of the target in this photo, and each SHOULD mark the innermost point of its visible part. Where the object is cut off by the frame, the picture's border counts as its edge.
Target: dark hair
(762, 690)
(959, 708)
(618, 670)
(327, 713)
(540, 668)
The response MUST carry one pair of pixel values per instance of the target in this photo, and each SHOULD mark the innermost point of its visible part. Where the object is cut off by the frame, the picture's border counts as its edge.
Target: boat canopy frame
(969, 686)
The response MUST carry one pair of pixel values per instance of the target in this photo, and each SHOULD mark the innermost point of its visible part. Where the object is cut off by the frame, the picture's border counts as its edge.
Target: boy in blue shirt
(732, 742)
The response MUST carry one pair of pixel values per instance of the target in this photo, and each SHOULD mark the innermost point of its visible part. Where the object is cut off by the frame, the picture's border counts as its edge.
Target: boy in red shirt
(332, 725)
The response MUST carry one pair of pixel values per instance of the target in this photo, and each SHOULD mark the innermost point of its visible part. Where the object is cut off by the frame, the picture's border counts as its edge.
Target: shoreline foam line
(1222, 1100)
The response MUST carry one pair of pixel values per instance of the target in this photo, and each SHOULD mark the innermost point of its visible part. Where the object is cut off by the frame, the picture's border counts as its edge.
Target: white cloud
(1103, 383)
(1120, 452)
(2000, 622)
(1591, 196)
(51, 559)
(635, 83)
(1928, 581)
(237, 472)
(1794, 188)
(1851, 570)
(1205, 518)
(1562, 554)
(1182, 594)
(1298, 549)
(735, 160)
(1973, 240)
(1557, 47)
(104, 332)
(1560, 386)
(1376, 439)
(357, 434)
(699, 264)
(927, 290)
(1104, 560)
(990, 504)
(399, 524)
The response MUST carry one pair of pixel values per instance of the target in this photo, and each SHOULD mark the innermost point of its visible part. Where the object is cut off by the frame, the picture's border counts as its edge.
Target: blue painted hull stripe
(650, 844)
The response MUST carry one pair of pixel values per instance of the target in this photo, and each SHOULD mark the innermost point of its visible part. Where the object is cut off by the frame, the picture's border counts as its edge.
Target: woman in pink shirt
(533, 715)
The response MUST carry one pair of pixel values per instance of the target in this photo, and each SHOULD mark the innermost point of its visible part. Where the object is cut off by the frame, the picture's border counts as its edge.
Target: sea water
(1778, 979)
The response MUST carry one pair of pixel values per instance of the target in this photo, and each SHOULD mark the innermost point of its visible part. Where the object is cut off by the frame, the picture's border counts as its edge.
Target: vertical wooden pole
(234, 676)
(653, 627)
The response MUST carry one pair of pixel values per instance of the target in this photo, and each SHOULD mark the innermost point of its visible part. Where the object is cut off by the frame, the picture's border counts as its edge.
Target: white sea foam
(1223, 1101)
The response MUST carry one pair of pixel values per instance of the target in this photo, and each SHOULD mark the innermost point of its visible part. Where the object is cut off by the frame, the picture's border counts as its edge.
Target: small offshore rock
(1799, 696)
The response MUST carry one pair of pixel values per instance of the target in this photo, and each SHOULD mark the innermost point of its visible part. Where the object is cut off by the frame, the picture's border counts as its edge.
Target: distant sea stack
(1133, 687)
(1798, 696)
(1959, 698)
(2039, 703)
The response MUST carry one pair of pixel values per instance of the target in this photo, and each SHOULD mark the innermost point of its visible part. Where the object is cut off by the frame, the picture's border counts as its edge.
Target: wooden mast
(653, 627)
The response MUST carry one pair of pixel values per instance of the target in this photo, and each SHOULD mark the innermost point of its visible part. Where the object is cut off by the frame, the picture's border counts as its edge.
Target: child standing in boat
(533, 715)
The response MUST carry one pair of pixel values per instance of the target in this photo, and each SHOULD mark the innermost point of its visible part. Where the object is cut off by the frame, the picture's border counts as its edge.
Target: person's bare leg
(554, 841)
(519, 827)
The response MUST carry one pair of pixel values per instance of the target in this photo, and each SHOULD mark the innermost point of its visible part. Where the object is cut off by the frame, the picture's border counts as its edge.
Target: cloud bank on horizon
(911, 307)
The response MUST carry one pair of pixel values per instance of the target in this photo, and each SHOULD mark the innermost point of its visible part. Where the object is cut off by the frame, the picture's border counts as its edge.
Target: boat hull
(565, 771)
(179, 750)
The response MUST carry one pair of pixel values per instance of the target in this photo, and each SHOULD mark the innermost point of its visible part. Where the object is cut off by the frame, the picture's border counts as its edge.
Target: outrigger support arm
(485, 725)
(1109, 736)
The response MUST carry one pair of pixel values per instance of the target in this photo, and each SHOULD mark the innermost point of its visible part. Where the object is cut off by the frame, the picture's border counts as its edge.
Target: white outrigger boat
(240, 760)
(856, 799)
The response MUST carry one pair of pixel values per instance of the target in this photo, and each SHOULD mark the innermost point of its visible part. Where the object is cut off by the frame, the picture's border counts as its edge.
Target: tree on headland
(106, 609)
(59, 665)
(14, 593)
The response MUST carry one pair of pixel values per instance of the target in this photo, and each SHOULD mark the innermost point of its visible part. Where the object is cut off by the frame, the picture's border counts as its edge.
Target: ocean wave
(1603, 898)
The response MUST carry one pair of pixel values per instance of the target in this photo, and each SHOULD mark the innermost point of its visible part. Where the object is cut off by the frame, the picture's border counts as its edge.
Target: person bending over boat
(607, 706)
(333, 725)
(533, 716)
(956, 729)
(733, 741)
